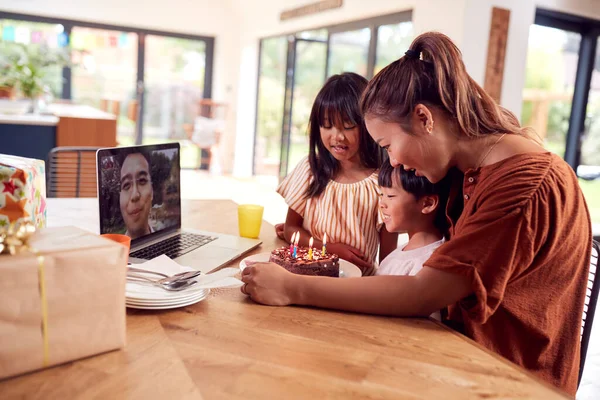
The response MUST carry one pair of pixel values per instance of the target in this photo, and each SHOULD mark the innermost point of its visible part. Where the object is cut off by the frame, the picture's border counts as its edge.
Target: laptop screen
(138, 190)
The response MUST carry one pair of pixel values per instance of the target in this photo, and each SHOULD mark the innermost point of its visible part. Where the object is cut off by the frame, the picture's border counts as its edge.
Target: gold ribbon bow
(14, 239)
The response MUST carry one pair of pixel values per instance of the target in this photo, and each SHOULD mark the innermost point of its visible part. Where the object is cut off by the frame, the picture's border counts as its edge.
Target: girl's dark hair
(337, 104)
(419, 186)
(433, 73)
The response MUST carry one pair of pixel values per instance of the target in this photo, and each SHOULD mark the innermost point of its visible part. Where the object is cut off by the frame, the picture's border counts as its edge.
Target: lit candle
(310, 250)
(324, 245)
(296, 244)
(292, 244)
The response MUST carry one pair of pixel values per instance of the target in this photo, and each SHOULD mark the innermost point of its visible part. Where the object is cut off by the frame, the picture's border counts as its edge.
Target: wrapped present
(62, 297)
(22, 190)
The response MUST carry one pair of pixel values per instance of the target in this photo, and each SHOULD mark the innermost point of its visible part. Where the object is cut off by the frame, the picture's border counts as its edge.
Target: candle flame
(293, 238)
(297, 238)
(310, 242)
(324, 239)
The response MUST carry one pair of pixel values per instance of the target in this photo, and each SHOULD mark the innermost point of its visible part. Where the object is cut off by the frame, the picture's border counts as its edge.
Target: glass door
(392, 42)
(551, 70)
(306, 68)
(271, 94)
(104, 73)
(349, 52)
(173, 87)
(589, 167)
(562, 96)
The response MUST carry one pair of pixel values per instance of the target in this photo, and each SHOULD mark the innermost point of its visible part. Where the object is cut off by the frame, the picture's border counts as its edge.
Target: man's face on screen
(136, 194)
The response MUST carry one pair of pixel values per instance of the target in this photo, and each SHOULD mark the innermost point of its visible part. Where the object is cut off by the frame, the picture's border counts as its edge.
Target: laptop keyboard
(174, 246)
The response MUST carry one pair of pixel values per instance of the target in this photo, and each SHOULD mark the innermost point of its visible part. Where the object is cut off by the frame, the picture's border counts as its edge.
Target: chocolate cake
(320, 265)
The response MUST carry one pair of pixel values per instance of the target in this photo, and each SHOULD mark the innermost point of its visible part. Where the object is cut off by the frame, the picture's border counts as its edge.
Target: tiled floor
(201, 185)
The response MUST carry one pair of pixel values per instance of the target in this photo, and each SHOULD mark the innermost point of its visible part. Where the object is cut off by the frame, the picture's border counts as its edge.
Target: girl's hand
(352, 255)
(279, 231)
(269, 284)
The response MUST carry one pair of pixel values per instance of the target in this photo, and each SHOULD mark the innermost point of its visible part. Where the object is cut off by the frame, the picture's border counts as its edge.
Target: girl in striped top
(334, 190)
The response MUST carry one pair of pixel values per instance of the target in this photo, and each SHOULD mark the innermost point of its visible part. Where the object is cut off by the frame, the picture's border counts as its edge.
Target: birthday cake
(305, 264)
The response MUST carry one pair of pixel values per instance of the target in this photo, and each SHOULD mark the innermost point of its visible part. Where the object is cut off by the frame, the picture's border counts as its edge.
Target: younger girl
(412, 204)
(334, 190)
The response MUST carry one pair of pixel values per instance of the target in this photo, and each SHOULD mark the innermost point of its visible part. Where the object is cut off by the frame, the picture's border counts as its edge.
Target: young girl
(334, 190)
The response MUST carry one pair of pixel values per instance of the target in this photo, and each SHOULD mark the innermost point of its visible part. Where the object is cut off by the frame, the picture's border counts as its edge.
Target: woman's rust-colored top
(524, 240)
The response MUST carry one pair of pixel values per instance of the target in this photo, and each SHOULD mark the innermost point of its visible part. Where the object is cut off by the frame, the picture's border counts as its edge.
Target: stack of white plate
(146, 297)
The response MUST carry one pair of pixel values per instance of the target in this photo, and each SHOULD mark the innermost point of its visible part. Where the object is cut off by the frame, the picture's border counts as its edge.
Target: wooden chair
(72, 172)
(589, 309)
(111, 106)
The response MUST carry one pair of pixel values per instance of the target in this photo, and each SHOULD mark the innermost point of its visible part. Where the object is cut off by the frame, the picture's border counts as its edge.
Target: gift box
(22, 190)
(61, 298)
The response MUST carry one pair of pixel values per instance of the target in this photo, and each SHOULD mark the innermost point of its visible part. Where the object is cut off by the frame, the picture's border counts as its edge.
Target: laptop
(139, 195)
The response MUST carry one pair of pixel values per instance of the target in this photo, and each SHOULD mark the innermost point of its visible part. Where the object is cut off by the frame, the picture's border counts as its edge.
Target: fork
(181, 276)
(171, 287)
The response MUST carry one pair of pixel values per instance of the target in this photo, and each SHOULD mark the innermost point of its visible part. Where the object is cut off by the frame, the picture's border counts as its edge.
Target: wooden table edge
(503, 359)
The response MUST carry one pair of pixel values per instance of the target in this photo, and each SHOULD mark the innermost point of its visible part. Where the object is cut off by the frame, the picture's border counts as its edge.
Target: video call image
(140, 191)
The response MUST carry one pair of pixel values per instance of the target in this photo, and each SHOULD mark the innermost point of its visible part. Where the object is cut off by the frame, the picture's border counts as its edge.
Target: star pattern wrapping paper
(22, 190)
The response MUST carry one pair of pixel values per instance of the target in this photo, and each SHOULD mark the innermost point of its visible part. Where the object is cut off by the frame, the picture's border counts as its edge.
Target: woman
(513, 274)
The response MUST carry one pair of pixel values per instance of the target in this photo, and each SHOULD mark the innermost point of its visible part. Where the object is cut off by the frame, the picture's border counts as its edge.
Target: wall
(478, 15)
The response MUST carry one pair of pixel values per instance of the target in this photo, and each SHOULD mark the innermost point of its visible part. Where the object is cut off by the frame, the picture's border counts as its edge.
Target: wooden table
(227, 347)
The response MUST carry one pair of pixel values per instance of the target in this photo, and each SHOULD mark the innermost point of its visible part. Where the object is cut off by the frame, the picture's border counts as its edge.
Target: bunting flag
(100, 41)
(52, 38)
(22, 35)
(90, 41)
(8, 34)
(62, 40)
(123, 40)
(36, 37)
(77, 41)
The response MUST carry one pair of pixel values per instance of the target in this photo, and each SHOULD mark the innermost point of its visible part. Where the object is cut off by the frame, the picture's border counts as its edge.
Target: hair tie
(413, 54)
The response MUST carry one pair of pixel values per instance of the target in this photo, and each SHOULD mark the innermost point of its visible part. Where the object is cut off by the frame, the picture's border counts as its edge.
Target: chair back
(589, 309)
(72, 172)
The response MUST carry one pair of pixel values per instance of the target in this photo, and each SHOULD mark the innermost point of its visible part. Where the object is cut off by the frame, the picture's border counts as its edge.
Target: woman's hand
(352, 255)
(269, 284)
(279, 231)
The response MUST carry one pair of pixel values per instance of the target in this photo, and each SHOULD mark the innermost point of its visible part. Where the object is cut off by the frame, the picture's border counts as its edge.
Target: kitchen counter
(60, 125)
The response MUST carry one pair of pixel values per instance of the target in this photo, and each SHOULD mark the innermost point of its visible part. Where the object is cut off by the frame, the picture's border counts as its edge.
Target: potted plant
(32, 66)
(8, 73)
(26, 68)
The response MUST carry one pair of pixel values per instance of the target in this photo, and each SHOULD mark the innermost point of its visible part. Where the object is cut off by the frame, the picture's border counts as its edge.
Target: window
(392, 42)
(114, 67)
(349, 51)
(104, 73)
(271, 80)
(552, 57)
(562, 95)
